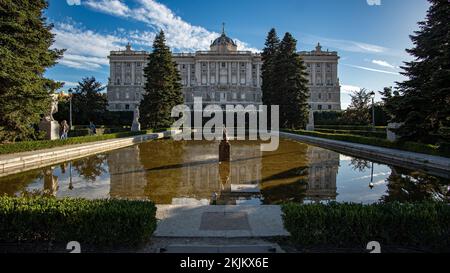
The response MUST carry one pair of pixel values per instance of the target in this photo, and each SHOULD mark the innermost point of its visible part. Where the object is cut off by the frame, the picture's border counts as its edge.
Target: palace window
(224, 65)
(319, 107)
(127, 106)
(329, 107)
(329, 96)
(320, 96)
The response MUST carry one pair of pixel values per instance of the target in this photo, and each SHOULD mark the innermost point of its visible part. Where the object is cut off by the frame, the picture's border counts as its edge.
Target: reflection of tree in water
(416, 186)
(359, 164)
(90, 167)
(17, 183)
(294, 191)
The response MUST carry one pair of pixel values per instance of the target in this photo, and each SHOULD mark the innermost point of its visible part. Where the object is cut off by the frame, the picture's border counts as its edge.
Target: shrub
(352, 127)
(354, 132)
(24, 146)
(406, 146)
(96, 222)
(341, 224)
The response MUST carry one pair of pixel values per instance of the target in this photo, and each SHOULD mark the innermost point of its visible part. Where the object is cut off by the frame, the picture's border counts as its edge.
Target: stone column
(133, 68)
(238, 64)
(208, 74)
(257, 76)
(229, 73)
(122, 66)
(198, 73)
(189, 75)
(217, 73)
(249, 74)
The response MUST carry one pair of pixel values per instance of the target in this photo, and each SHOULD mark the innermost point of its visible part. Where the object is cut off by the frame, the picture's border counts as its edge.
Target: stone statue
(310, 125)
(53, 108)
(48, 124)
(136, 126)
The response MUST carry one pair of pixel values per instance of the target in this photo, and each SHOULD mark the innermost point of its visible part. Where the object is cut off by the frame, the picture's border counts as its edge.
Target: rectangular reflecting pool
(188, 172)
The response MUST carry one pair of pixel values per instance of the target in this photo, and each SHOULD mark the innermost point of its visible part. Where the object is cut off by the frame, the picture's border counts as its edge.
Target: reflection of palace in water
(127, 174)
(323, 169)
(228, 182)
(191, 173)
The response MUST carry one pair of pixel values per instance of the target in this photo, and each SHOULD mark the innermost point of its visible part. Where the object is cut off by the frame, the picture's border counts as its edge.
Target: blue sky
(369, 35)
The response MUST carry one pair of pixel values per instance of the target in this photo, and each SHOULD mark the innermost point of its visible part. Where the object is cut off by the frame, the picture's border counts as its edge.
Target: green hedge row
(99, 131)
(340, 224)
(354, 132)
(406, 146)
(24, 146)
(94, 222)
(352, 127)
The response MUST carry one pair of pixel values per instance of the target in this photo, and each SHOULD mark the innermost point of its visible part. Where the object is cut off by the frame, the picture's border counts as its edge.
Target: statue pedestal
(310, 127)
(224, 151)
(135, 127)
(51, 129)
(392, 136)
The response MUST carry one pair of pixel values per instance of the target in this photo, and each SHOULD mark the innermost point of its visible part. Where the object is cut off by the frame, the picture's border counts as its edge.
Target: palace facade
(222, 75)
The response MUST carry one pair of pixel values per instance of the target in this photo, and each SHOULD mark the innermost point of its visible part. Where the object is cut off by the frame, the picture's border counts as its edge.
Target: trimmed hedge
(25, 146)
(354, 132)
(406, 146)
(93, 222)
(341, 224)
(352, 127)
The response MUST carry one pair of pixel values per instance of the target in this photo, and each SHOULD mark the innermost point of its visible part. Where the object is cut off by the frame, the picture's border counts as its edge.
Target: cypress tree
(423, 102)
(88, 103)
(25, 39)
(268, 56)
(291, 85)
(163, 87)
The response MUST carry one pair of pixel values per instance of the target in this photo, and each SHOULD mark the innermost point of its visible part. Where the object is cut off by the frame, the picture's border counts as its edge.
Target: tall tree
(88, 103)
(268, 57)
(423, 100)
(358, 112)
(163, 87)
(289, 79)
(25, 39)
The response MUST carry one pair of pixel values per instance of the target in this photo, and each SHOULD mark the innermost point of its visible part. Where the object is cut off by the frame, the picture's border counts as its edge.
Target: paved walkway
(431, 163)
(219, 221)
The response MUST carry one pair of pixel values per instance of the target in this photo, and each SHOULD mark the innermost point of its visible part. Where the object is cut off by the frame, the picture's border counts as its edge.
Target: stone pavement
(219, 221)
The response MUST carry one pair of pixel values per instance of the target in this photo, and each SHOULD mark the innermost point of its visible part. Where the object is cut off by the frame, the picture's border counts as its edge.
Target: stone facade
(223, 75)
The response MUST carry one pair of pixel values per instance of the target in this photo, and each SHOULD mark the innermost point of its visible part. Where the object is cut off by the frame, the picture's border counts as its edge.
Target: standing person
(64, 129)
(92, 128)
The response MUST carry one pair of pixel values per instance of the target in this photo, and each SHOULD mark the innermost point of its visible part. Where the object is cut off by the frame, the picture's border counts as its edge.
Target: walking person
(92, 129)
(64, 129)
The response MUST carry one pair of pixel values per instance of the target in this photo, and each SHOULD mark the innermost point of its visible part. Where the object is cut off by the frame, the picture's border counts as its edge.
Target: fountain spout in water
(224, 147)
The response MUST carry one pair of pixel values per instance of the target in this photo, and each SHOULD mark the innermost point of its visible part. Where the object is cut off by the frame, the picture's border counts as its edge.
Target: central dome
(223, 40)
(223, 43)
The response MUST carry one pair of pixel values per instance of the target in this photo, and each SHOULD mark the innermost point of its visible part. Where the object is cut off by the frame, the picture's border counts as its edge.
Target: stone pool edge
(26, 161)
(371, 152)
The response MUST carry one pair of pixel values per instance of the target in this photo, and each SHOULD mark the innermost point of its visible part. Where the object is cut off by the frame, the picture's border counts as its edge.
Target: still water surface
(188, 172)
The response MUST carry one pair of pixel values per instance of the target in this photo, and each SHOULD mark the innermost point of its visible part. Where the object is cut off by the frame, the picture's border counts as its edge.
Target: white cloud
(373, 69)
(384, 64)
(346, 45)
(74, 2)
(373, 2)
(180, 35)
(69, 83)
(85, 49)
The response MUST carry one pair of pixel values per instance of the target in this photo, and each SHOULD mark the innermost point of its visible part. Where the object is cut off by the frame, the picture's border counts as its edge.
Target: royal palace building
(222, 75)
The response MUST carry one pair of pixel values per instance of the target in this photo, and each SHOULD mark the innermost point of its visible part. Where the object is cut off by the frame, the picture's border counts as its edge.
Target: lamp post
(372, 95)
(70, 108)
